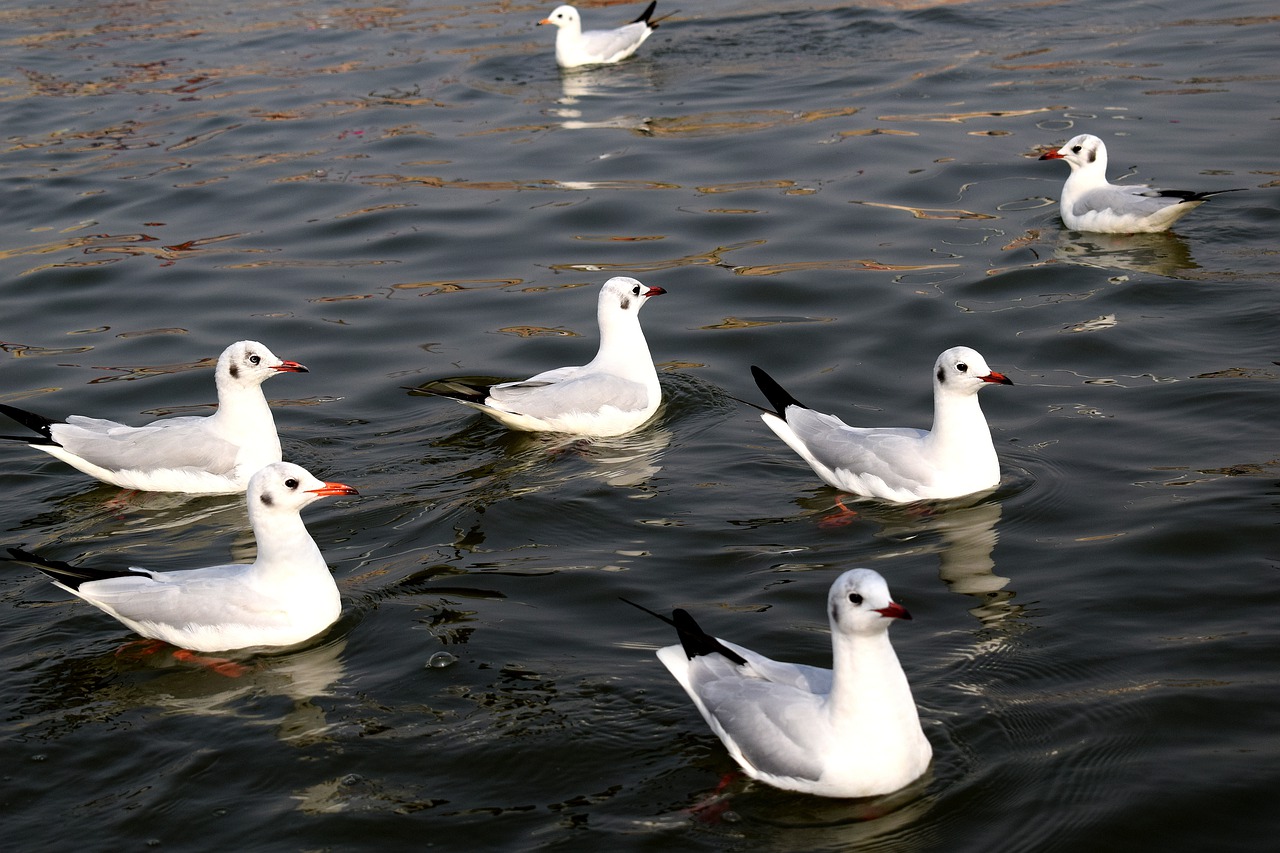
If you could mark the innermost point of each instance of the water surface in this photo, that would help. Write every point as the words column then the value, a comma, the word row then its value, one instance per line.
column 393, row 193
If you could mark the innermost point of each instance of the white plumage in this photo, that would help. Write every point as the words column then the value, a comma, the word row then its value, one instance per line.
column 284, row 597
column 214, row 454
column 574, row 47
column 614, row 393
column 953, row 459
column 1091, row 203
column 849, row 731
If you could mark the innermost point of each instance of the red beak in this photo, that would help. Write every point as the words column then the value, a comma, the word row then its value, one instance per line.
column 289, row 367
column 997, row 378
column 329, row 489
column 1051, row 155
column 654, row 291
column 894, row 611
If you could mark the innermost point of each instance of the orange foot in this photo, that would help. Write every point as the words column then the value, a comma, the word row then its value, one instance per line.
column 712, row 808
column 841, row 518
column 140, row 648
column 222, row 666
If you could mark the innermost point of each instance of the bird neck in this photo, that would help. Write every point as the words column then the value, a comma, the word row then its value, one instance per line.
column 1088, row 176
column 623, row 348
column 241, row 409
column 868, row 685
column 959, row 427
column 287, row 548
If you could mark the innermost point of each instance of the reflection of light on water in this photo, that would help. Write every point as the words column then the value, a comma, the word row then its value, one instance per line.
column 1161, row 254
column 967, row 537
column 621, row 461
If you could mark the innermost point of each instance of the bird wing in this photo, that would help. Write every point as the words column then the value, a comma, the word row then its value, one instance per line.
column 608, row 45
column 809, row 678
column 891, row 454
column 1125, row 201
column 172, row 443
column 777, row 728
column 549, row 395
column 212, row 598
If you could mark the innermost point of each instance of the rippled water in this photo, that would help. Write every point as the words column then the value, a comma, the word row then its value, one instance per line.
column 398, row 192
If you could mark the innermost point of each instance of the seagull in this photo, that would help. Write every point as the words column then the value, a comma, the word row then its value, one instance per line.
column 207, row 455
column 953, row 459
column 1090, row 203
column 597, row 47
column 850, row 731
column 282, row 598
column 613, row 394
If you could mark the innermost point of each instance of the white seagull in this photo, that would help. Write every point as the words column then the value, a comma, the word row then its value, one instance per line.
column 282, row 598
column 209, row 455
column 849, row 731
column 613, row 394
column 955, row 458
column 1090, row 203
column 597, row 47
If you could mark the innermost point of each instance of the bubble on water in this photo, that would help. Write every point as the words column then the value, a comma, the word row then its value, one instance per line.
column 440, row 660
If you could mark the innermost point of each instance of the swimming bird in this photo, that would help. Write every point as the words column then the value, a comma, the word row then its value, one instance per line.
column 849, row 731
column 1090, row 203
column 955, row 458
column 597, row 47
column 613, row 394
column 282, row 598
column 211, row 455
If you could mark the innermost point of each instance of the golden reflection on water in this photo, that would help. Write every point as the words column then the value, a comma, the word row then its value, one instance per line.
column 855, row 264
column 930, row 212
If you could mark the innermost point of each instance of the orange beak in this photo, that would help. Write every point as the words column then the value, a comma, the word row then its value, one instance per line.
column 1051, row 155
column 997, row 378
column 894, row 611
column 329, row 489
column 289, row 367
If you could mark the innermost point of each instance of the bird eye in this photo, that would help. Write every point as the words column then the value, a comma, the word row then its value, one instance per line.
column 636, row 290
column 962, row 367
column 1075, row 150
column 255, row 359
column 855, row 598
column 291, row 483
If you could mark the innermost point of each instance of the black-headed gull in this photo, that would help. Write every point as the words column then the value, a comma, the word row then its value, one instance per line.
column 284, row 597
column 1090, row 203
column 616, row 392
column 210, row 455
column 955, row 458
column 849, row 731
column 596, row 47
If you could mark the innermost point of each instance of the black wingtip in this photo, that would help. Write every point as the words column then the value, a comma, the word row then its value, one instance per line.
column 774, row 393
column 653, row 613
column 693, row 639
column 66, row 574
column 32, row 421
column 454, row 389
column 1191, row 195
column 644, row 16
column 696, row 641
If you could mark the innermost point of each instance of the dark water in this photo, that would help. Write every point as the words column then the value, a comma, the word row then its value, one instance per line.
column 395, row 192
